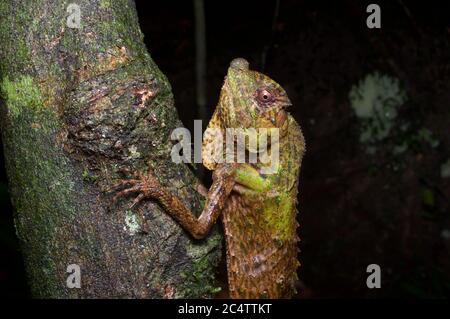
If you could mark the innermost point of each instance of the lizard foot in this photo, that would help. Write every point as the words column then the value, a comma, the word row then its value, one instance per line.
column 143, row 185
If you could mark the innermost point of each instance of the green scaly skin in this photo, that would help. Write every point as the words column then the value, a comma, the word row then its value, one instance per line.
column 258, row 209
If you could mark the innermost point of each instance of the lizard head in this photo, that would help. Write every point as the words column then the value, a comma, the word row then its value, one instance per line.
column 252, row 100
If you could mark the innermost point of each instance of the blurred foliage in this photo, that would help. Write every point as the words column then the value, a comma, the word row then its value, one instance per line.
column 423, row 282
column 445, row 169
column 375, row 100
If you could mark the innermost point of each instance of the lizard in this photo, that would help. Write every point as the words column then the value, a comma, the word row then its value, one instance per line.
column 258, row 210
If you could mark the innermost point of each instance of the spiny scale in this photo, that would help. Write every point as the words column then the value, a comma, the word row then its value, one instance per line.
column 260, row 265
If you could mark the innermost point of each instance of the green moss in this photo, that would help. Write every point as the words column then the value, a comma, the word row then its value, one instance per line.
column 15, row 50
column 200, row 280
column 40, row 181
column 89, row 177
column 19, row 94
column 104, row 4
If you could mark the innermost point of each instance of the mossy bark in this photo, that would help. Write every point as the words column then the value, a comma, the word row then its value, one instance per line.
column 81, row 106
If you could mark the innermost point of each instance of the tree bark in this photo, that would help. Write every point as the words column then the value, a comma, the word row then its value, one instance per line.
column 80, row 106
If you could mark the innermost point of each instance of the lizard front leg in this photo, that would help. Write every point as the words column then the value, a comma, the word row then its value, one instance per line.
column 249, row 181
column 147, row 186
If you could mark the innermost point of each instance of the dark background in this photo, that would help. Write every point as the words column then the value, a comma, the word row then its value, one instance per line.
column 355, row 208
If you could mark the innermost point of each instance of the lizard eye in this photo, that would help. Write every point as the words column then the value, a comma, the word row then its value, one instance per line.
column 263, row 96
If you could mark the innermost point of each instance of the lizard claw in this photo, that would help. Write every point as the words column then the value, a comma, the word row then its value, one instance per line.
column 143, row 185
column 126, row 182
column 137, row 200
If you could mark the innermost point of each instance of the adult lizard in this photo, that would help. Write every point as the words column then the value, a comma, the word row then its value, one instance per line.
column 258, row 209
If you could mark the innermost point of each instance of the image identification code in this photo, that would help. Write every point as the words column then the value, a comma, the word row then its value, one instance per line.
column 232, row 308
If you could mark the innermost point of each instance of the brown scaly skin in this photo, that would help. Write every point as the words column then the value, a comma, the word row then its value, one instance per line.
column 258, row 210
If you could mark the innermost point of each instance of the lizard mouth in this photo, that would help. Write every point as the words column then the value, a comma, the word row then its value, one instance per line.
column 285, row 102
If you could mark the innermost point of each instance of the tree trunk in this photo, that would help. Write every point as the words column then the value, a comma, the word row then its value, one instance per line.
column 79, row 107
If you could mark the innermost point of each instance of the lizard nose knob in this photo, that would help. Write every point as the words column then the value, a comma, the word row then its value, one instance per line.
column 239, row 64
